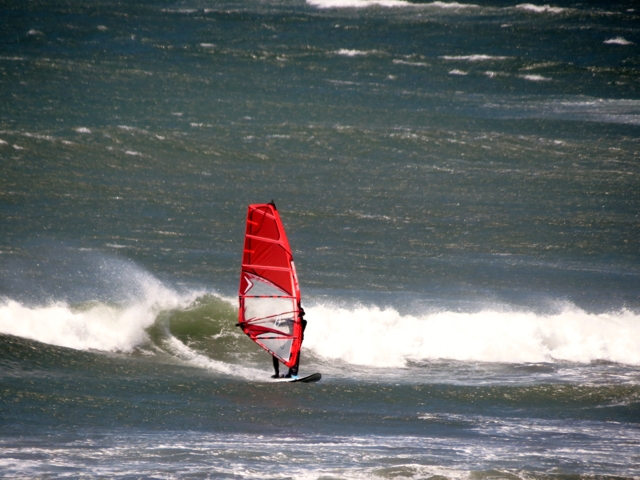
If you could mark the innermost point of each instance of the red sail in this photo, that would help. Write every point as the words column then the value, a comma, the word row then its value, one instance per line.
column 269, row 293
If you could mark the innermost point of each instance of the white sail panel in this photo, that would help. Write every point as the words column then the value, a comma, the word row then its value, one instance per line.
column 264, row 308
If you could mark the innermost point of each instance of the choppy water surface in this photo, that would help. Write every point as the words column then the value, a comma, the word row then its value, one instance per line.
column 459, row 183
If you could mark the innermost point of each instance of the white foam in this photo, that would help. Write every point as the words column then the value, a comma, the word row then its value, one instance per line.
column 83, row 130
column 472, row 58
column 187, row 11
column 457, row 72
column 384, row 338
column 39, row 136
column 606, row 110
column 618, row 41
column 99, row 326
column 116, row 245
column 540, row 8
column 451, row 5
column 412, row 64
column 351, row 53
column 357, row 3
column 386, row 3
column 535, row 78
column 183, row 352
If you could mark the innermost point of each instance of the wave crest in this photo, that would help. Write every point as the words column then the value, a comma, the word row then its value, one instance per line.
column 93, row 325
column 385, row 338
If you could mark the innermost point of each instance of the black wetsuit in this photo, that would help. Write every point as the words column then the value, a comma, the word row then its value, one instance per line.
column 293, row 370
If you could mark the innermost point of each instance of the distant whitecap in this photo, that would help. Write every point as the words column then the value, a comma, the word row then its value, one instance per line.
column 473, row 58
column 350, row 53
column 412, row 64
column 535, row 78
column 186, row 11
column 457, row 72
column 385, row 3
column 618, row 41
column 357, row 3
column 539, row 8
column 451, row 5
column 83, row 130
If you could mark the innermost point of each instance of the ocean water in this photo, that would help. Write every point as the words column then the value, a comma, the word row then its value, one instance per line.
column 460, row 183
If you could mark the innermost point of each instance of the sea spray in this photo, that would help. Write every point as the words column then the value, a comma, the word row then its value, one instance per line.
column 106, row 326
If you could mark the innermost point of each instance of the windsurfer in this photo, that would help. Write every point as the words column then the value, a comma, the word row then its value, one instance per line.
column 293, row 370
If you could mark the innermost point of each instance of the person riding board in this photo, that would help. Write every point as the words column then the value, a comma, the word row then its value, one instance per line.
column 293, row 370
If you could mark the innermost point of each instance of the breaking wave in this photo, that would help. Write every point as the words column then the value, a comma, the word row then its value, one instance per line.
column 196, row 327
column 200, row 330
column 92, row 325
column 385, row 338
